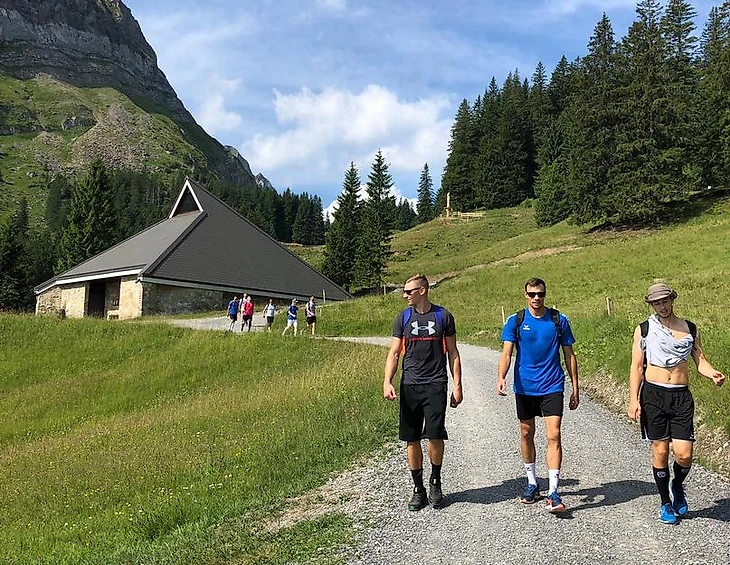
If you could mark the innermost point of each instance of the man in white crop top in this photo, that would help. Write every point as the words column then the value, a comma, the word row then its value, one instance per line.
column 659, row 395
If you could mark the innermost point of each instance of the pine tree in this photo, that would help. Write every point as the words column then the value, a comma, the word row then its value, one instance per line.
column 425, row 196
column 343, row 235
column 592, row 120
column 92, row 220
column 715, row 96
column 458, row 172
column 12, row 275
column 375, row 228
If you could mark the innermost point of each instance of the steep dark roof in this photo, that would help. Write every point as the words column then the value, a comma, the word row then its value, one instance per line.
column 205, row 242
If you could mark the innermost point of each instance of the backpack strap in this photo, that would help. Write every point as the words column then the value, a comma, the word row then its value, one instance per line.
column 554, row 314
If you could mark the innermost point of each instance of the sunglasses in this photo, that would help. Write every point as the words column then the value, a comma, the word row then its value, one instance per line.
column 410, row 291
column 540, row 294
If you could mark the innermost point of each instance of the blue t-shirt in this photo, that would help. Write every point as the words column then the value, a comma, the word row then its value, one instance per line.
column 291, row 313
column 232, row 308
column 538, row 370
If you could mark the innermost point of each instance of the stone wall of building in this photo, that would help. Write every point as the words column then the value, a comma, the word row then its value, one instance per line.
column 49, row 303
column 130, row 298
column 163, row 299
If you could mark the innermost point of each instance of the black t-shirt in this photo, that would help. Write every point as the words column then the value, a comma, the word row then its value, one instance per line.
column 424, row 360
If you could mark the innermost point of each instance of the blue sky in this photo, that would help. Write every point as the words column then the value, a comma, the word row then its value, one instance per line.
column 303, row 87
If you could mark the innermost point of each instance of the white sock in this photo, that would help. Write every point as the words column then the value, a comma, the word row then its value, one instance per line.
column 530, row 470
column 554, row 478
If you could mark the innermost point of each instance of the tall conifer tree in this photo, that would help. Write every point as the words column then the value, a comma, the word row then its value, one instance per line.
column 425, row 204
column 343, row 235
column 92, row 219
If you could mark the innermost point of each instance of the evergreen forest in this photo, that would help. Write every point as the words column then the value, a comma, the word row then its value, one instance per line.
column 621, row 136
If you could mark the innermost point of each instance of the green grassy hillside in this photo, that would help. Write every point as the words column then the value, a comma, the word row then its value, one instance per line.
column 47, row 126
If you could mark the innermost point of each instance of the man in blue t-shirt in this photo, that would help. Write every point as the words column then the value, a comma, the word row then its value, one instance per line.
column 539, row 333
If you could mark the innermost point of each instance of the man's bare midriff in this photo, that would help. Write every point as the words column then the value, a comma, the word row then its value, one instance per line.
column 677, row 375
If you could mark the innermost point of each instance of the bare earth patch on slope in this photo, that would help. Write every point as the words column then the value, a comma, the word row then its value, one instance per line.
column 437, row 279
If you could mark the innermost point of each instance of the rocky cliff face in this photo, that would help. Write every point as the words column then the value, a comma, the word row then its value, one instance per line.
column 84, row 43
column 98, row 43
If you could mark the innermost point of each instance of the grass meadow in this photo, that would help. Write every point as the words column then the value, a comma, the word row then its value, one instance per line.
column 145, row 443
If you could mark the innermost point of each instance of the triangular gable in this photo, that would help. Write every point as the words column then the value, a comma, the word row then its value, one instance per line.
column 187, row 201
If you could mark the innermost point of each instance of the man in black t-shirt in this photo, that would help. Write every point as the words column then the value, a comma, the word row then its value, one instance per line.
column 425, row 335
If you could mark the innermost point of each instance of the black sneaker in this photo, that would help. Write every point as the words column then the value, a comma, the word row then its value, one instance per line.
column 418, row 500
column 435, row 495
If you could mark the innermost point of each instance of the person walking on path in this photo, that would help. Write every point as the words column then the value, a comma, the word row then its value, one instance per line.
column 310, row 312
column 539, row 333
column 660, row 397
column 233, row 307
column 291, row 317
column 269, row 313
column 425, row 335
column 247, row 311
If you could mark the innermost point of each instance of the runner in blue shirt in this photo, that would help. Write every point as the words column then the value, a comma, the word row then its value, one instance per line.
column 291, row 317
column 539, row 333
column 233, row 306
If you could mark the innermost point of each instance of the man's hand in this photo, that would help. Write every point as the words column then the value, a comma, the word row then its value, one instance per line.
column 388, row 391
column 457, row 395
column 718, row 378
column 574, row 400
column 501, row 386
column 634, row 410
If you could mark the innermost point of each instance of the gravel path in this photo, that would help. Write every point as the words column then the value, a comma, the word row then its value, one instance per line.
column 607, row 486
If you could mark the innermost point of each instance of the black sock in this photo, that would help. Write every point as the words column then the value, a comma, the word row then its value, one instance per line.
column 417, row 475
column 435, row 473
column 661, row 477
column 680, row 473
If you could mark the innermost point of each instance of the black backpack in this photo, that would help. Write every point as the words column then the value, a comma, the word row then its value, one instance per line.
column 645, row 332
column 554, row 314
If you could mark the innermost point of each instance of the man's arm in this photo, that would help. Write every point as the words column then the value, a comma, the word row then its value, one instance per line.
column 457, row 395
column 571, row 364
column 391, row 366
column 636, row 376
column 703, row 365
column 505, row 361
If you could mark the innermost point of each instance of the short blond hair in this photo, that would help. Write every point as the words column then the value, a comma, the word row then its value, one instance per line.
column 420, row 278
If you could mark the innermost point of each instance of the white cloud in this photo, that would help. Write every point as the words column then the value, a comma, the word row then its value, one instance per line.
column 338, row 5
column 213, row 115
column 329, row 211
column 327, row 129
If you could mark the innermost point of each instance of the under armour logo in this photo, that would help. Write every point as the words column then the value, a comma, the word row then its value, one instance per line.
column 430, row 328
column 661, row 474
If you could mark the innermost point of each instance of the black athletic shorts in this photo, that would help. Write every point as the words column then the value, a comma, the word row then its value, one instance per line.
column 269, row 321
column 666, row 413
column 311, row 320
column 246, row 318
column 530, row 407
column 233, row 316
column 423, row 412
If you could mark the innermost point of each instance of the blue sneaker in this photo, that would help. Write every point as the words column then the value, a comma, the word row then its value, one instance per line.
column 666, row 514
column 531, row 494
column 679, row 501
column 553, row 503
